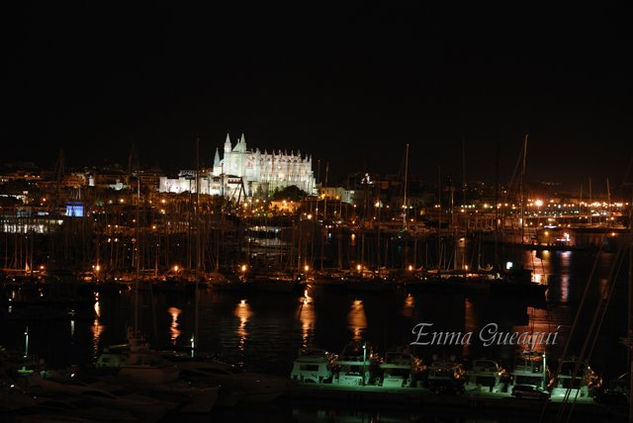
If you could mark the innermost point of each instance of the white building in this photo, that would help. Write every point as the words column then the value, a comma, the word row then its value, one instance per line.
column 255, row 171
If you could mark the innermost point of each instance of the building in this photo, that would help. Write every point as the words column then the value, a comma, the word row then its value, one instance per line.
column 337, row 193
column 245, row 172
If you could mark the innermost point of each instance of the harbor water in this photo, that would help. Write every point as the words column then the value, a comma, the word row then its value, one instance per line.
column 264, row 332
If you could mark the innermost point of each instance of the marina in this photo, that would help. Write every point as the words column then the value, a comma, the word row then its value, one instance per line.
column 367, row 213
column 437, row 377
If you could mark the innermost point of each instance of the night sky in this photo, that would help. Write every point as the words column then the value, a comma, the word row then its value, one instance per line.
column 350, row 84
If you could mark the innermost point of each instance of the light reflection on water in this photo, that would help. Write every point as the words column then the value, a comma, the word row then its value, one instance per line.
column 357, row 320
column 265, row 331
column 409, row 306
column 470, row 322
column 97, row 328
column 307, row 317
column 243, row 313
column 564, row 288
column 174, row 333
column 539, row 322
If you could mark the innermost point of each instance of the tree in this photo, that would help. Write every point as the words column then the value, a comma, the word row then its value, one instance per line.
column 291, row 193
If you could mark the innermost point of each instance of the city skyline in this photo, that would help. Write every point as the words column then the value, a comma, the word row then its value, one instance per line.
column 351, row 86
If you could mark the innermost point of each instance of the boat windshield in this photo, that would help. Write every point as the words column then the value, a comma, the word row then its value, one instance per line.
column 397, row 372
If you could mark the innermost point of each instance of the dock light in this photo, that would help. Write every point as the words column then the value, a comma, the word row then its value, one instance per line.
column 509, row 265
column 41, row 267
column 243, row 268
column 538, row 203
column 309, row 217
column 176, row 268
column 97, row 267
column 410, row 268
column 358, row 267
column 466, row 267
column 306, row 267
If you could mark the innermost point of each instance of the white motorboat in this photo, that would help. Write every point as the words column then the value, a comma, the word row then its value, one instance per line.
column 312, row 366
column 565, row 384
column 399, row 369
column 137, row 363
column 486, row 376
column 354, row 365
column 531, row 371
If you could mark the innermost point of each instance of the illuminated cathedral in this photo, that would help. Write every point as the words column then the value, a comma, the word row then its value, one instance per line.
column 253, row 172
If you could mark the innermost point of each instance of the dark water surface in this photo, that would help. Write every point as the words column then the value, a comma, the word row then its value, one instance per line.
column 265, row 332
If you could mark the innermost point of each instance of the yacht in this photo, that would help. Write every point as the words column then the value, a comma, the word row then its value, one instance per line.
column 135, row 362
column 244, row 387
column 445, row 375
column 581, row 386
column 399, row 370
column 354, row 365
column 312, row 366
column 486, row 376
column 532, row 371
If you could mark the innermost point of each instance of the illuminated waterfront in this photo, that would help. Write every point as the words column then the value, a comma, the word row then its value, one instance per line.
column 264, row 332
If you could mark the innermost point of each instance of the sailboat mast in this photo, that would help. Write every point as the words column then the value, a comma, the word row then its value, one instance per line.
column 138, row 250
column 197, row 227
column 196, row 209
column 630, row 327
column 608, row 203
column 406, row 175
column 522, row 189
column 464, row 185
column 496, row 226
column 590, row 202
column 439, row 218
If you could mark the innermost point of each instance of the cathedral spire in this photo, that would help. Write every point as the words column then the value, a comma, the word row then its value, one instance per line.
column 216, row 159
column 227, row 144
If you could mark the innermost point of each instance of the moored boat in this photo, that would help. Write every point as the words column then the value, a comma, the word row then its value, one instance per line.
column 445, row 375
column 486, row 376
column 354, row 365
column 135, row 362
column 313, row 366
column 582, row 385
column 243, row 387
column 400, row 370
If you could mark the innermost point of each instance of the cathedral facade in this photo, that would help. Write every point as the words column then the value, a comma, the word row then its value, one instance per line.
column 252, row 171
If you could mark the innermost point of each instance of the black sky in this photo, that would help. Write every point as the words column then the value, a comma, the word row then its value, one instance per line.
column 351, row 84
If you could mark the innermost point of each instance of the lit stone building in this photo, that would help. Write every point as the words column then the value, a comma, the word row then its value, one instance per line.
column 255, row 172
